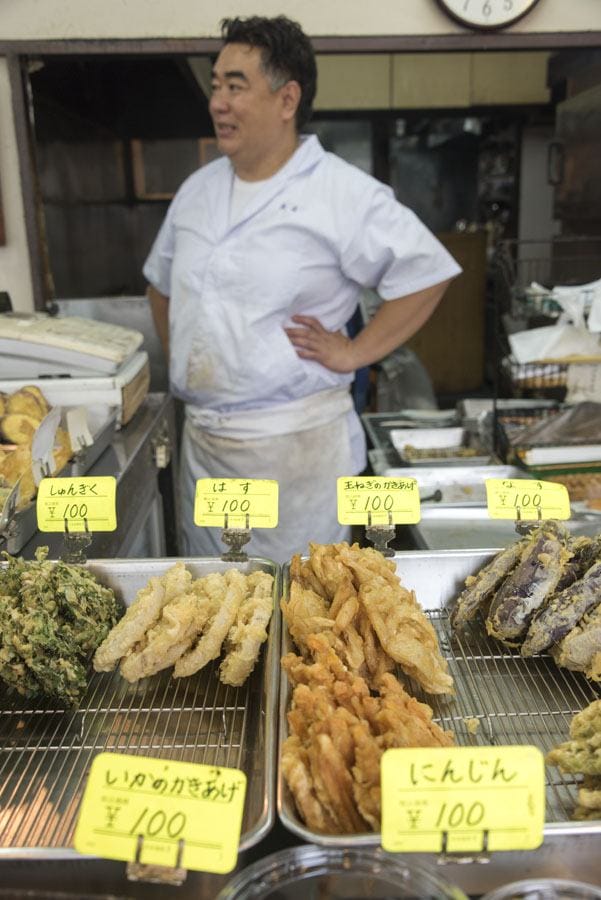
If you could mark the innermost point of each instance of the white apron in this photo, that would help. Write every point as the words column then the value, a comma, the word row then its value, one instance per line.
column 305, row 445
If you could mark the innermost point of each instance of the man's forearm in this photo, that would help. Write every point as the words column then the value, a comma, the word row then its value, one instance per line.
column 394, row 323
column 159, row 306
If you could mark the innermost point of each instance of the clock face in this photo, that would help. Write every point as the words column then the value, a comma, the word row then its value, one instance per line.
column 487, row 13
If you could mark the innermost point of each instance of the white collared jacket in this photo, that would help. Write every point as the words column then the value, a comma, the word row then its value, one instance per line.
column 314, row 235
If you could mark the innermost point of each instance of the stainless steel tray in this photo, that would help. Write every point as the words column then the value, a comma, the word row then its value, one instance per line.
column 46, row 752
column 516, row 701
column 378, row 427
column 471, row 528
column 458, row 485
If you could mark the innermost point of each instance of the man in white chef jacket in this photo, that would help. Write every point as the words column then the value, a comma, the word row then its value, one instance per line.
column 256, row 270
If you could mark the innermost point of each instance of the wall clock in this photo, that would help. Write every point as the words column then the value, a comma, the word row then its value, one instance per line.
column 487, row 13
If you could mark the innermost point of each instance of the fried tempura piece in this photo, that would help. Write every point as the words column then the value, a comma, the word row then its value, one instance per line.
column 531, row 582
column 296, row 770
column 344, row 637
column 589, row 794
column 249, row 631
column 403, row 628
column 209, row 645
column 580, row 649
column 306, row 612
column 587, row 723
column 582, row 754
column 344, row 730
column 327, row 667
column 141, row 615
column 302, row 572
column 366, row 775
column 371, row 560
column 376, row 660
column 481, row 587
column 328, row 569
column 180, row 622
column 333, row 784
column 405, row 722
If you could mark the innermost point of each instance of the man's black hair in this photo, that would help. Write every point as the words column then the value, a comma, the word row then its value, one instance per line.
column 286, row 54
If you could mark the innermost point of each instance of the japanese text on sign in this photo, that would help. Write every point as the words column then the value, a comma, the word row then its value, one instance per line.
column 77, row 504
column 182, row 812
column 236, row 503
column 365, row 500
column 524, row 498
column 462, row 799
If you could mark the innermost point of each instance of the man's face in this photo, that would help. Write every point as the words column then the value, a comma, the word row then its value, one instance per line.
column 250, row 118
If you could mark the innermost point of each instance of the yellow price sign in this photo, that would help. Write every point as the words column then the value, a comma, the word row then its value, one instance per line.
column 462, row 799
column 161, row 812
column 77, row 504
column 525, row 498
column 373, row 500
column 236, row 503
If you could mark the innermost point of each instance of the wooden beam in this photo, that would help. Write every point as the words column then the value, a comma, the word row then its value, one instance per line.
column 466, row 40
column 26, row 154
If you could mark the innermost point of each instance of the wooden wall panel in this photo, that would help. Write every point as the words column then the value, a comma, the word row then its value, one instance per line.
column 451, row 343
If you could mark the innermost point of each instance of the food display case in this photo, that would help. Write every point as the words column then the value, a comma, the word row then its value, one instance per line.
column 513, row 700
column 142, row 456
column 45, row 751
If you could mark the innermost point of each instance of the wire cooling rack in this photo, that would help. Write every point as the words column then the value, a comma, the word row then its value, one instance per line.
column 46, row 751
column 515, row 701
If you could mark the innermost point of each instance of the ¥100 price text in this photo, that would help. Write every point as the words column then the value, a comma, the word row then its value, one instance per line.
column 457, row 814
column 525, row 501
column 158, row 824
column 229, row 505
column 75, row 511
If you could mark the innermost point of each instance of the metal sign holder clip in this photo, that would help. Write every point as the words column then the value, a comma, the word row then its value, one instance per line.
column 75, row 544
column 524, row 526
column 152, row 874
column 481, row 856
column 235, row 538
column 381, row 535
